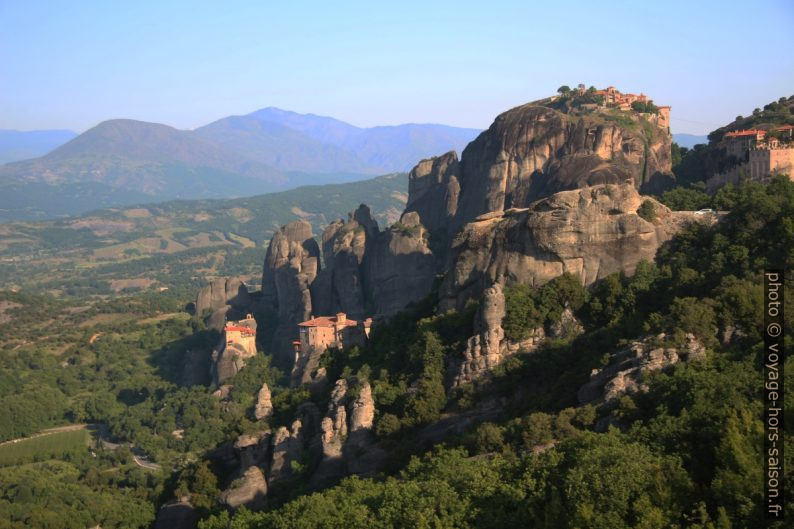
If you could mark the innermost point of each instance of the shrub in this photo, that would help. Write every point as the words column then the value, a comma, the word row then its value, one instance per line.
column 647, row 211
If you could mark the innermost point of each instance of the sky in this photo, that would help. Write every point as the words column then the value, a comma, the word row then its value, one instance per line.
column 72, row 64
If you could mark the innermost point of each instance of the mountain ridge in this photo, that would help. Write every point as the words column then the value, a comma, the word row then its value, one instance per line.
column 123, row 161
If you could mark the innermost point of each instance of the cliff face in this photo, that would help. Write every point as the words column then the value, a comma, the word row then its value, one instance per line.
column 330, row 446
column 367, row 272
column 343, row 284
column 489, row 346
column 531, row 152
column 590, row 232
column 402, row 267
column 541, row 192
column 223, row 298
column 291, row 265
column 434, row 190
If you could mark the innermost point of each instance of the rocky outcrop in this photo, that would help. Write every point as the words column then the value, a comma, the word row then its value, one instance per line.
column 263, row 408
column 627, row 368
column 343, row 284
column 362, row 413
column 292, row 262
column 532, row 151
column 567, row 327
column 590, row 232
column 433, row 192
column 402, row 268
column 367, row 273
column 249, row 490
column 289, row 444
column 177, row 515
column 488, row 347
column 236, row 345
column 223, row 298
column 333, row 434
column 253, row 449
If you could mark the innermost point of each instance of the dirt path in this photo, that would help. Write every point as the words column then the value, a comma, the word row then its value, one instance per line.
column 49, row 431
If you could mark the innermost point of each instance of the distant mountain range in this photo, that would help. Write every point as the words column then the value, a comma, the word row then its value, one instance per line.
column 121, row 162
column 21, row 145
column 689, row 140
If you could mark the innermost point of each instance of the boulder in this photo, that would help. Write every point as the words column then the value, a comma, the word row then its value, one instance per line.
column 249, row 491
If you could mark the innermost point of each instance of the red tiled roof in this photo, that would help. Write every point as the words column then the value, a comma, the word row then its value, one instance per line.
column 739, row 133
column 326, row 321
column 239, row 328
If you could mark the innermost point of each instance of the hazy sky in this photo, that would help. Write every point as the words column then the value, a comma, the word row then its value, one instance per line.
column 71, row 64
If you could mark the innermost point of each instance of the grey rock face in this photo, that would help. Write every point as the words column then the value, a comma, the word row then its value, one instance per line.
column 625, row 373
column 250, row 490
column 362, row 413
column 253, row 449
column 291, row 265
column 289, row 445
column 343, row 284
column 488, row 347
column 590, row 232
column 402, row 268
column 222, row 298
column 568, row 327
column 264, row 405
column 531, row 152
column 434, row 190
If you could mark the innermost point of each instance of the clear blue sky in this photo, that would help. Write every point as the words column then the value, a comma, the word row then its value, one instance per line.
column 71, row 64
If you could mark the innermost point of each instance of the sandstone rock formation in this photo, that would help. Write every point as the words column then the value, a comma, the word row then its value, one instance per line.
column 488, row 347
column 253, row 449
column 367, row 273
column 288, row 445
column 223, row 298
column 625, row 373
column 433, row 191
column 402, row 268
column 333, row 430
column 237, row 344
column 250, row 490
column 531, row 151
column 339, row 443
column 343, row 284
column 291, row 264
column 177, row 515
column 263, row 408
column 567, row 327
column 589, row 232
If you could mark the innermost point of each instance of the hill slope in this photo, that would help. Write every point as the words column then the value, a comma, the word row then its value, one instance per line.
column 386, row 148
column 164, row 242
column 124, row 162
